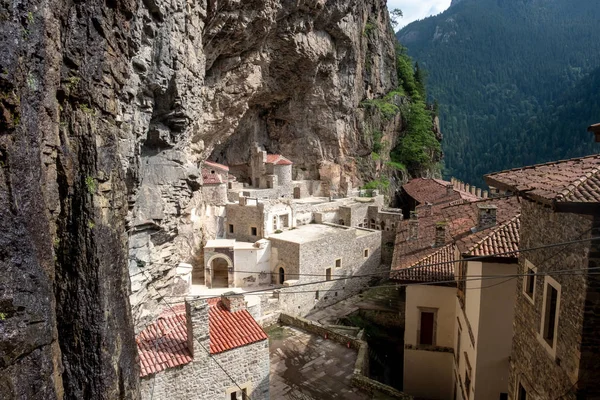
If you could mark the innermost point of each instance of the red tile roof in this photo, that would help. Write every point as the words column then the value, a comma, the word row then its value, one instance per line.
column 461, row 227
column 424, row 271
column 570, row 181
column 163, row 344
column 278, row 159
column 229, row 330
column 216, row 165
column 497, row 239
column 434, row 191
column 211, row 179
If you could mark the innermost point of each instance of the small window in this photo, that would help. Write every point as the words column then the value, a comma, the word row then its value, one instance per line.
column 338, row 263
column 529, row 281
column 550, row 315
column 467, row 376
column 328, row 274
column 239, row 394
column 317, row 295
column 230, row 228
column 521, row 392
column 366, row 253
column 253, row 231
column 458, row 343
column 275, row 222
column 427, row 327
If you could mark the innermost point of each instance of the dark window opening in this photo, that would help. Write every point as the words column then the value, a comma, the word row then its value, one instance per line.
column 529, row 283
column 253, row 231
column 338, row 263
column 426, row 330
column 503, row 396
column 230, row 228
column 328, row 274
column 317, row 295
column 281, row 276
column 467, row 376
column 551, row 313
column 521, row 393
column 366, row 253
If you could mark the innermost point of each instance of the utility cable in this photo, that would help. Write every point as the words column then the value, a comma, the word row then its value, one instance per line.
column 441, row 263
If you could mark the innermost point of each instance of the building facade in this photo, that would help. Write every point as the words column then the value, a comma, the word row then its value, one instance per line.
column 184, row 353
column 556, row 346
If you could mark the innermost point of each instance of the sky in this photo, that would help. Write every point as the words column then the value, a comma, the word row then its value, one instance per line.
column 417, row 9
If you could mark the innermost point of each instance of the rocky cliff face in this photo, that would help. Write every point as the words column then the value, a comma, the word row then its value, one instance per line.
column 209, row 80
column 107, row 108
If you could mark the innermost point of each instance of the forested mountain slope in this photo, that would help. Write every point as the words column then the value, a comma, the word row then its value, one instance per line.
column 512, row 79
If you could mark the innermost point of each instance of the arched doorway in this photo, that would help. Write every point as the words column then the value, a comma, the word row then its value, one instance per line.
column 220, row 273
column 281, row 275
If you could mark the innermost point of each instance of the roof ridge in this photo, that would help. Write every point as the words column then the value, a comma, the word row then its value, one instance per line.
column 481, row 200
column 493, row 232
column 571, row 187
column 542, row 164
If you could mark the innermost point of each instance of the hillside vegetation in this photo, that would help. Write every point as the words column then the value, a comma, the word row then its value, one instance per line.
column 516, row 80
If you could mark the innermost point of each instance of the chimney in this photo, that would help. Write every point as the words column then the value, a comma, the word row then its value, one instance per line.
column 473, row 190
column 595, row 129
column 440, row 234
column 233, row 301
column 485, row 194
column 243, row 200
column 413, row 226
column 479, row 192
column 449, row 189
column 467, row 188
column 487, row 215
column 196, row 312
column 425, row 210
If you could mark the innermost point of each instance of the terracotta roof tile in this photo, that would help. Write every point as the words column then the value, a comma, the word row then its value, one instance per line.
column 460, row 221
column 422, row 271
column 211, row 179
column 163, row 344
column 216, row 165
column 574, row 180
column 434, row 191
column 229, row 330
column 498, row 239
column 278, row 159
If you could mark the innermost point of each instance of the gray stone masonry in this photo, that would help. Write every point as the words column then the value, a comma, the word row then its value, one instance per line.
column 487, row 215
column 348, row 245
column 233, row 301
column 203, row 379
column 542, row 374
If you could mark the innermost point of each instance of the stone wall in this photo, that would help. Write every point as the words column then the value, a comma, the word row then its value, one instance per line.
column 284, row 174
column 244, row 218
column 215, row 194
column 542, row 374
column 315, row 257
column 203, row 379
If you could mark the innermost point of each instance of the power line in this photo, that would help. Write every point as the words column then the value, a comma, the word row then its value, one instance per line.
column 475, row 258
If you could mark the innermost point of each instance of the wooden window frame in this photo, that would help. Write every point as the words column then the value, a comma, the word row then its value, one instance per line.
column 340, row 263
column 328, row 273
column 526, row 277
column 550, row 348
column 435, row 315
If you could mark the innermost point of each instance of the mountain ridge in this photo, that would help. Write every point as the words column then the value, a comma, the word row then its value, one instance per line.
column 497, row 67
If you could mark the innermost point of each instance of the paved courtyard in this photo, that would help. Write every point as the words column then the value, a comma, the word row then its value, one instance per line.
column 307, row 367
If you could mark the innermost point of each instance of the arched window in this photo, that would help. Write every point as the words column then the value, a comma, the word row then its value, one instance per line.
column 281, row 276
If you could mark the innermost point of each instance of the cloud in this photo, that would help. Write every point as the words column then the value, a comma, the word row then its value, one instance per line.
column 417, row 9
